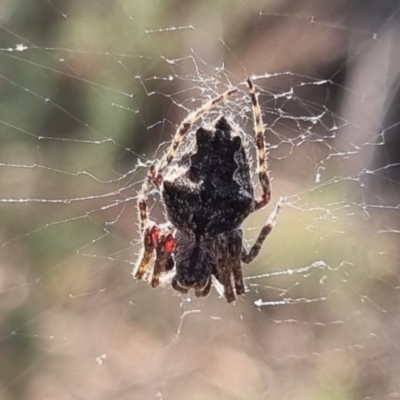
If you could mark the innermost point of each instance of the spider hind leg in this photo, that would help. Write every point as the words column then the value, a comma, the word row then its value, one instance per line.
column 148, row 247
column 164, row 261
column 155, row 171
column 149, row 233
column 154, row 237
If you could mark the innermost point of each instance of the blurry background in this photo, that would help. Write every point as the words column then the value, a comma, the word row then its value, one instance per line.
column 90, row 91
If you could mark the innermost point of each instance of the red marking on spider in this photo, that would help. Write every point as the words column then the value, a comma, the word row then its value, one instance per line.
column 155, row 235
column 169, row 245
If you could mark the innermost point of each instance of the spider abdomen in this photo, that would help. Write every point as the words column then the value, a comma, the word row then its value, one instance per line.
column 210, row 192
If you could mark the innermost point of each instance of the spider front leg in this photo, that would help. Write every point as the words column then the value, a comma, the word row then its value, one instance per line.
column 223, row 268
column 261, row 152
column 248, row 256
column 235, row 255
column 228, row 249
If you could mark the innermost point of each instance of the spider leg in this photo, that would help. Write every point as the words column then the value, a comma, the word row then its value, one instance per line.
column 248, row 256
column 260, row 142
column 155, row 172
column 155, row 237
column 150, row 235
column 224, row 268
column 164, row 260
column 142, row 206
column 148, row 231
column 235, row 255
column 178, row 287
column 203, row 292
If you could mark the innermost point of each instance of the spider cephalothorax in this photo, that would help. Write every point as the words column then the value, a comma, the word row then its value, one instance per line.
column 207, row 195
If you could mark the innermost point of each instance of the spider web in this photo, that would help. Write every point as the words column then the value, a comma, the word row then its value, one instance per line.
column 90, row 92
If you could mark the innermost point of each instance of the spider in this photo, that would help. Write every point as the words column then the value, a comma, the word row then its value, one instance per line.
column 207, row 195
